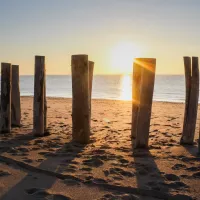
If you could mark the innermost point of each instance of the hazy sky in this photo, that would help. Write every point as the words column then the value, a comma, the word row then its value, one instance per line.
column 111, row 32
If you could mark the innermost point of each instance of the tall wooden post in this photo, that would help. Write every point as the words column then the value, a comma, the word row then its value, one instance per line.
column 45, row 104
column 6, row 87
column 38, row 118
column 15, row 103
column 191, row 101
column 199, row 144
column 143, row 86
column 80, row 99
column 91, row 69
column 136, row 91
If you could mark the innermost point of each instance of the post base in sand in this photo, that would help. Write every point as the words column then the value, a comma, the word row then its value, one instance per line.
column 5, row 132
column 186, row 142
column 16, row 125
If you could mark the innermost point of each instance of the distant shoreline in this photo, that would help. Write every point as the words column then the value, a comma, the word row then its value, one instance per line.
column 96, row 99
column 109, row 87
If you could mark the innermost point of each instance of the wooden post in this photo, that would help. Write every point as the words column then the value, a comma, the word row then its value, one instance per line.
column 199, row 144
column 15, row 96
column 80, row 99
column 136, row 91
column 91, row 69
column 38, row 118
column 6, row 87
column 45, row 104
column 188, row 79
column 191, row 102
column 143, row 86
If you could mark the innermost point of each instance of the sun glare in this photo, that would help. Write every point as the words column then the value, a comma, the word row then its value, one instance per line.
column 122, row 56
column 125, row 84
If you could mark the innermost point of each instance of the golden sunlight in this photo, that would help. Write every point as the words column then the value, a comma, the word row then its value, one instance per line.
column 122, row 56
column 126, row 91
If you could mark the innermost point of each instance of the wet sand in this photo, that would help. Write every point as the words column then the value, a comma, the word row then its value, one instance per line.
column 53, row 167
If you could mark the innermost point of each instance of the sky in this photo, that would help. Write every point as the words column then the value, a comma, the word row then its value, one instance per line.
column 110, row 32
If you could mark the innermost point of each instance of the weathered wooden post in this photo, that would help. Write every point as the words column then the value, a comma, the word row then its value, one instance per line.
column 136, row 90
column 80, row 99
column 143, row 86
column 199, row 144
column 15, row 96
column 45, row 103
column 6, row 87
column 191, row 101
column 91, row 69
column 38, row 110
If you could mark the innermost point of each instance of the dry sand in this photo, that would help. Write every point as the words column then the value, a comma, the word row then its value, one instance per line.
column 53, row 167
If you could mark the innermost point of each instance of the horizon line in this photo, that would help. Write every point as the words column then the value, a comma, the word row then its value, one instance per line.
column 101, row 74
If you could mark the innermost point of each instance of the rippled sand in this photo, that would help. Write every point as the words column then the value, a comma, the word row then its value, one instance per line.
column 53, row 167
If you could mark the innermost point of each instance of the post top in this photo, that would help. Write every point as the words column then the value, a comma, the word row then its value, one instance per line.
column 4, row 63
column 80, row 55
column 39, row 56
column 145, row 59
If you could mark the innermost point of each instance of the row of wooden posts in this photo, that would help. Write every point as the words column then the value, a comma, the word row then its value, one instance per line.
column 82, row 77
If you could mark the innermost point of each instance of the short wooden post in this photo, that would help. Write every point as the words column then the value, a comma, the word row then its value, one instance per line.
column 80, row 99
column 191, row 101
column 38, row 118
column 143, row 86
column 15, row 103
column 6, row 87
column 91, row 69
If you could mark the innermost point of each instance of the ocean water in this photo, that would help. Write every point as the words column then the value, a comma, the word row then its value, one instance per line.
column 169, row 88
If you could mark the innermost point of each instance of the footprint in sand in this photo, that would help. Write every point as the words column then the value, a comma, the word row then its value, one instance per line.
column 24, row 150
column 196, row 175
column 193, row 169
column 44, row 194
column 177, row 185
column 71, row 182
column 178, row 166
column 119, row 171
column 171, row 177
column 4, row 173
column 70, row 168
column 94, row 162
column 99, row 181
column 88, row 169
column 119, row 197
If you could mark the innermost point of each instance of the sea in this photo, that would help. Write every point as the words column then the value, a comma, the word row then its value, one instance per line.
column 168, row 88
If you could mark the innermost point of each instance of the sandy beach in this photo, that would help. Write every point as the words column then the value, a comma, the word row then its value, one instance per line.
column 53, row 167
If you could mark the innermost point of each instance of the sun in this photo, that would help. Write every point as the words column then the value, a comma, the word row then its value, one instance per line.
column 122, row 56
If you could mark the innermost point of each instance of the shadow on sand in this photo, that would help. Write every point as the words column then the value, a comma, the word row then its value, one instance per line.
column 41, row 182
column 148, row 174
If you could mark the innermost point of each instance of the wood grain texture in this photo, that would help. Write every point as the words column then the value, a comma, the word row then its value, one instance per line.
column 188, row 79
column 136, row 90
column 38, row 111
column 80, row 99
column 192, row 97
column 45, row 102
column 142, row 123
column 6, row 88
column 91, row 69
column 15, row 103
